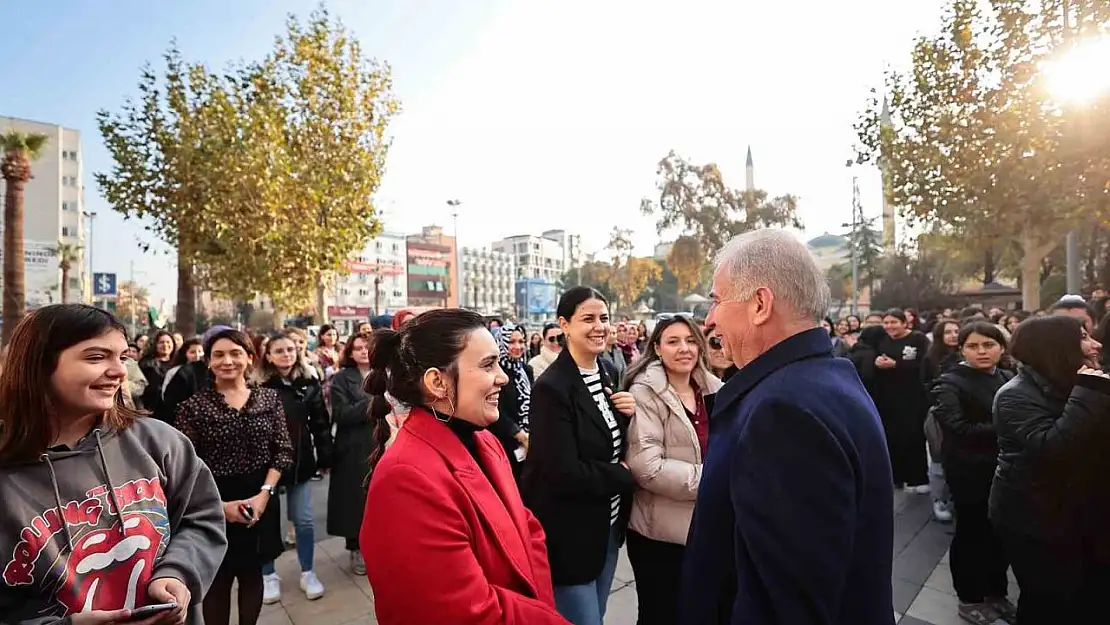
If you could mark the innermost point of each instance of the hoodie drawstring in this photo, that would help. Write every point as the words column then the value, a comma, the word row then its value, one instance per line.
column 58, row 500
column 111, row 483
column 45, row 458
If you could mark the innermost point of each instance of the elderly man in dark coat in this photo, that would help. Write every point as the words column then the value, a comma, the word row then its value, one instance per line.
column 793, row 522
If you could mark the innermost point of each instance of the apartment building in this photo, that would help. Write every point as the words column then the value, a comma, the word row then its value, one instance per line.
column 546, row 257
column 487, row 281
column 54, row 212
column 376, row 277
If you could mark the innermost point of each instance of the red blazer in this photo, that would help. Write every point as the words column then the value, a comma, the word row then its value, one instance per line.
column 444, row 544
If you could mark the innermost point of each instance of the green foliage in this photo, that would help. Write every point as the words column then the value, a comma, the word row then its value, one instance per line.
column 974, row 141
column 695, row 200
column 866, row 242
column 22, row 145
column 921, row 281
column 263, row 176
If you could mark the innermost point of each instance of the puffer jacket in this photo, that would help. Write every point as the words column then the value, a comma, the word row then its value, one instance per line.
column 1050, row 443
column 962, row 399
column 664, row 455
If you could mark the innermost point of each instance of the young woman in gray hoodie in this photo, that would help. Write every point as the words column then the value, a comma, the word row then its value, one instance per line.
column 105, row 511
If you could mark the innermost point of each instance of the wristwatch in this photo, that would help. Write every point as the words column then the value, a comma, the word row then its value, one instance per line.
column 269, row 488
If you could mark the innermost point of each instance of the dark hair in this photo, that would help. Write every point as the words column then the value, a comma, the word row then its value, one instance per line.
column 916, row 317
column 324, row 329
column 938, row 349
column 832, row 326
column 1051, row 346
column 345, row 360
column 1073, row 304
column 573, row 298
column 238, row 337
column 897, row 313
column 179, row 358
column 971, row 311
column 983, row 328
column 649, row 355
column 27, row 419
column 494, row 320
column 399, row 359
column 547, row 327
column 151, row 352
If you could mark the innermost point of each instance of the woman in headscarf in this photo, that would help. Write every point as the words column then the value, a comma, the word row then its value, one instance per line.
column 515, row 399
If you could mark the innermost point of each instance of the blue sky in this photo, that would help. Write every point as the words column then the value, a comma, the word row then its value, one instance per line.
column 536, row 115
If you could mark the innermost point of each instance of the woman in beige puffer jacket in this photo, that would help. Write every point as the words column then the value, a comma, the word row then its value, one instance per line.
column 667, row 440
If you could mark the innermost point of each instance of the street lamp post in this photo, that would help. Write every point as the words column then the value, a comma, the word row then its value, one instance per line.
column 455, row 278
column 90, row 216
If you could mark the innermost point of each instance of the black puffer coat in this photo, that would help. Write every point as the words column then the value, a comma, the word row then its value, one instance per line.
column 1051, row 448
column 962, row 399
column 309, row 425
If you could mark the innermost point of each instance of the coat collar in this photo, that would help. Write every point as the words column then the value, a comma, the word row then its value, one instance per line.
column 654, row 377
column 566, row 365
column 493, row 490
column 805, row 344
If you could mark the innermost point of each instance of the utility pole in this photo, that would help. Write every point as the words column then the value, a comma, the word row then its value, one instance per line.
column 131, row 297
column 1071, row 246
column 90, row 216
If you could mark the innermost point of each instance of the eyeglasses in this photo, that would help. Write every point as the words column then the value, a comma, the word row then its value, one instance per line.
column 670, row 316
column 715, row 342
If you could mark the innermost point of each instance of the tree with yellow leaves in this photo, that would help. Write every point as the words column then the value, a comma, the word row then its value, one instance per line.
column 687, row 262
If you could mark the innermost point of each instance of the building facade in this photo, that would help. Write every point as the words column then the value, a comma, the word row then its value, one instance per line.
column 487, row 281
column 432, row 268
column 376, row 277
column 545, row 257
column 54, row 212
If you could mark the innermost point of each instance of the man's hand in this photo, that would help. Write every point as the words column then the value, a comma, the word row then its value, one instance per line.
column 100, row 617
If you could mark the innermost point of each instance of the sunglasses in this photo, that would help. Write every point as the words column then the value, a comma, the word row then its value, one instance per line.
column 715, row 342
column 554, row 338
column 669, row 316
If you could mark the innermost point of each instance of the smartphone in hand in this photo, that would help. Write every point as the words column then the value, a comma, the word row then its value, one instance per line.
column 247, row 510
column 147, row 611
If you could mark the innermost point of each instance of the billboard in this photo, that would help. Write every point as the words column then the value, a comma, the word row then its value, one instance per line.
column 536, row 297
column 42, row 277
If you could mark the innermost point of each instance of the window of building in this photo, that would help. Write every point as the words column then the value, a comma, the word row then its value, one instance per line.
column 66, row 232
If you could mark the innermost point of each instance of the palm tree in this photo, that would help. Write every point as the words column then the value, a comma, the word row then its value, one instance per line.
column 67, row 255
column 19, row 150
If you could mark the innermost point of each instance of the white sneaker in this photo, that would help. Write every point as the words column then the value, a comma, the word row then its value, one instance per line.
column 311, row 585
column 919, row 490
column 941, row 511
column 271, row 588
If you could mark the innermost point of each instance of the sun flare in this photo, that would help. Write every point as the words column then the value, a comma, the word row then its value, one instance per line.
column 1080, row 76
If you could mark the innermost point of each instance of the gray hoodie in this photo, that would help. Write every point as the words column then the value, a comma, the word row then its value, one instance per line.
column 136, row 505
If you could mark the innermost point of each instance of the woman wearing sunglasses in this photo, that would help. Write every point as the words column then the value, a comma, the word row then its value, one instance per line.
column 552, row 346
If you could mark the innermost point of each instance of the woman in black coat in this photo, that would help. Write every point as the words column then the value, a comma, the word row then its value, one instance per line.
column 350, row 411
column 302, row 397
column 962, row 398
column 1050, row 500
column 515, row 401
column 575, row 479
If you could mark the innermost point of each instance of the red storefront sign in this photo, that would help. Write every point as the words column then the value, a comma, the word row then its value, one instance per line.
column 377, row 269
column 349, row 312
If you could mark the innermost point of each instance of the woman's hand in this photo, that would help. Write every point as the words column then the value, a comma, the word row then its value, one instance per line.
column 1085, row 370
column 233, row 511
column 259, row 503
column 169, row 590
column 522, row 438
column 623, row 401
column 885, row 362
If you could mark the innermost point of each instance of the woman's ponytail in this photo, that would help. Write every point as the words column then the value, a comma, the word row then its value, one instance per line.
column 384, row 362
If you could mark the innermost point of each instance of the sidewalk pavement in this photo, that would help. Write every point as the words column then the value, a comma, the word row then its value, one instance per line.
column 921, row 580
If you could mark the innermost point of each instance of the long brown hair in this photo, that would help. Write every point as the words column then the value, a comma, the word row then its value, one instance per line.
column 649, row 354
column 28, row 423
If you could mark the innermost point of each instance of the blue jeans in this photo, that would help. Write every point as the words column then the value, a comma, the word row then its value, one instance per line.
column 299, row 512
column 584, row 604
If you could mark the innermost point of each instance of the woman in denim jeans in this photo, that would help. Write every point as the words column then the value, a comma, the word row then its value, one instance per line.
column 302, row 397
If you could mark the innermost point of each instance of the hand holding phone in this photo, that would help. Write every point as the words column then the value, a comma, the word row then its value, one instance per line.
column 247, row 511
column 147, row 611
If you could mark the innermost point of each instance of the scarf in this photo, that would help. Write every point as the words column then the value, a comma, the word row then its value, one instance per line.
column 518, row 377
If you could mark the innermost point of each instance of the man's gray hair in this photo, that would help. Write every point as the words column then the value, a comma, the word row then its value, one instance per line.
column 777, row 260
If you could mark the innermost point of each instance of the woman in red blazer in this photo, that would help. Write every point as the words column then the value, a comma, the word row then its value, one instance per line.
column 445, row 536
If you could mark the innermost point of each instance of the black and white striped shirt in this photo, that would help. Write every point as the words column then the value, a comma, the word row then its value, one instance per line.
column 592, row 378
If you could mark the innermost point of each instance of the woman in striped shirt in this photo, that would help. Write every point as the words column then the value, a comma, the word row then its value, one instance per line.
column 574, row 479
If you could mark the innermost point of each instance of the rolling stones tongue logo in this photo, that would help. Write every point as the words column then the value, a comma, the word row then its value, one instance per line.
column 110, row 569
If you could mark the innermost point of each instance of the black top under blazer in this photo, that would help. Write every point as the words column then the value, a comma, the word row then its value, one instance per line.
column 569, row 477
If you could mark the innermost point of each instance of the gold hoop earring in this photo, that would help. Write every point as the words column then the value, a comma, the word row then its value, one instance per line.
column 439, row 418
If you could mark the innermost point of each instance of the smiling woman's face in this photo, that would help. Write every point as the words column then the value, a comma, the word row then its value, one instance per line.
column 89, row 375
column 588, row 328
column 677, row 348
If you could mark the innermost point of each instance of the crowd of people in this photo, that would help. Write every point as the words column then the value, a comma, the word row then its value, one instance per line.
column 483, row 473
